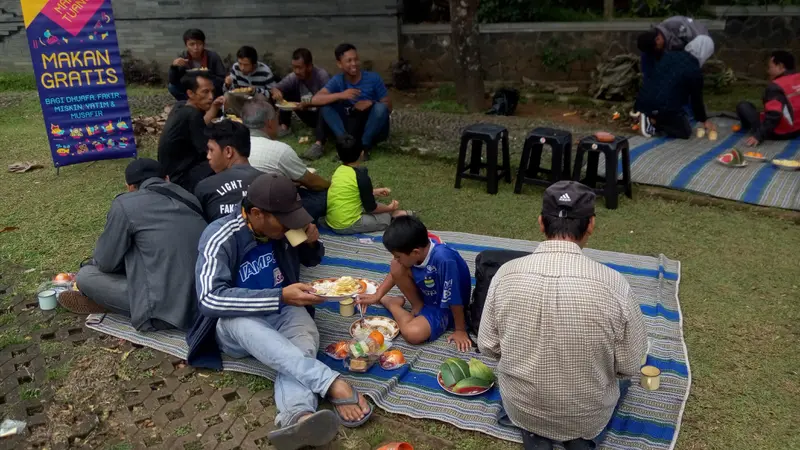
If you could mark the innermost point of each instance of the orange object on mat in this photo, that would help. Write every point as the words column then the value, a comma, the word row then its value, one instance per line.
column 397, row 446
column 736, row 128
column 603, row 136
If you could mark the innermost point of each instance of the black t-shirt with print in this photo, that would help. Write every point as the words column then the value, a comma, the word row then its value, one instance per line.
column 222, row 193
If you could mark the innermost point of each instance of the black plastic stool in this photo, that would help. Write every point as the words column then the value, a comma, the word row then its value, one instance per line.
column 491, row 135
column 611, row 150
column 530, row 166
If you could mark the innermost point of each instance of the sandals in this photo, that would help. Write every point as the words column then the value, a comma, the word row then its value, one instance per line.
column 78, row 303
column 352, row 400
column 317, row 430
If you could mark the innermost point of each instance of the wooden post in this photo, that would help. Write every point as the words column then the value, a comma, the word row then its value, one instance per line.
column 465, row 44
column 608, row 9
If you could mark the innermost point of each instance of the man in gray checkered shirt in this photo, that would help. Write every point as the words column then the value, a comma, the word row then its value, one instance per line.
column 567, row 330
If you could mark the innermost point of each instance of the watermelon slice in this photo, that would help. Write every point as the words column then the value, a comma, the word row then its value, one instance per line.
column 732, row 157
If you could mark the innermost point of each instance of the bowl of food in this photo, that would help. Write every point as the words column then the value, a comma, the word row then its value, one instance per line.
column 786, row 164
column 465, row 379
column 287, row 105
column 339, row 288
column 386, row 326
column 243, row 90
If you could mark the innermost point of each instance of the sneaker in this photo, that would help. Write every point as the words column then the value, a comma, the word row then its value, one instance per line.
column 75, row 302
column 283, row 132
column 315, row 152
column 645, row 126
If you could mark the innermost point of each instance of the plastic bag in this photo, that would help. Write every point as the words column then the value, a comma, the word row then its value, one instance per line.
column 393, row 359
column 12, row 427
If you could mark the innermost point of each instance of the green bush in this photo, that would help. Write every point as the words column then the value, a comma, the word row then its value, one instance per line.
column 17, row 81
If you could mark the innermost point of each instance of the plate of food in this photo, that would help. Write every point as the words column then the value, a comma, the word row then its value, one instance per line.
column 755, row 156
column 287, row 106
column 339, row 288
column 732, row 158
column 243, row 90
column 465, row 379
column 386, row 326
column 786, row 164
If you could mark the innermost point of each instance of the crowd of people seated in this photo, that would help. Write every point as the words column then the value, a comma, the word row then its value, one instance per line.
column 199, row 242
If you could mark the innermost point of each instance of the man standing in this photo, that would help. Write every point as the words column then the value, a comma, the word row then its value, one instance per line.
column 228, row 150
column 271, row 156
column 251, row 304
column 565, row 328
column 143, row 264
column 195, row 56
column 249, row 72
column 357, row 101
column 182, row 146
column 781, row 102
column 300, row 86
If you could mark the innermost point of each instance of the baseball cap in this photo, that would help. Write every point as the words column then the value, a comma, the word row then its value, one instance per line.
column 277, row 195
column 568, row 199
column 143, row 168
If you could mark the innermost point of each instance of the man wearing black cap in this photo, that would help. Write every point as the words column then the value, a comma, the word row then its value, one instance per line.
column 567, row 330
column 144, row 259
column 251, row 304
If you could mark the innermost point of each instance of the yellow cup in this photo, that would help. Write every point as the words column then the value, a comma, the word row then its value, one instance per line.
column 651, row 378
column 701, row 133
column 347, row 307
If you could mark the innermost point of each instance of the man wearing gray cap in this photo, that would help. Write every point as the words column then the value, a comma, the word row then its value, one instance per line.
column 251, row 304
column 143, row 262
column 567, row 330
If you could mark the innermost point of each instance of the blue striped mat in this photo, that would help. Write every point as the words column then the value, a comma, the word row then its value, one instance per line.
column 646, row 420
column 691, row 165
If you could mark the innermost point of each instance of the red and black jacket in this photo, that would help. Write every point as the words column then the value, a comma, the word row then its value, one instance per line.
column 781, row 102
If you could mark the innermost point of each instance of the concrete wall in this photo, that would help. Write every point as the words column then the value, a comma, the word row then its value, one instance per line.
column 536, row 50
column 152, row 29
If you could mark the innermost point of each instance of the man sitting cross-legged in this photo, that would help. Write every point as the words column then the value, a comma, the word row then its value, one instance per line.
column 567, row 330
column 432, row 276
column 271, row 156
column 251, row 304
column 357, row 101
column 228, row 150
column 300, row 86
column 143, row 264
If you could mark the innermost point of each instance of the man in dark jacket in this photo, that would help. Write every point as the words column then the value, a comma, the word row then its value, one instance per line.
column 143, row 262
column 781, row 103
column 183, row 145
column 676, row 80
column 195, row 56
column 251, row 304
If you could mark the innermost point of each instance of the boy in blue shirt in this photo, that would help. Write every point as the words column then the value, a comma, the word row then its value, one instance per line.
column 432, row 276
column 356, row 101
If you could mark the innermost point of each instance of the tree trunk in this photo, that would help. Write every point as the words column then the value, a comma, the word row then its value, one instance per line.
column 608, row 9
column 465, row 46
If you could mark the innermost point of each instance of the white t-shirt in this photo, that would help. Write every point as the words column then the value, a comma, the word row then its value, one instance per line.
column 271, row 156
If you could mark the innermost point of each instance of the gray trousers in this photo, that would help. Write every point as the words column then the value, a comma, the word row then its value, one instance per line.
column 109, row 290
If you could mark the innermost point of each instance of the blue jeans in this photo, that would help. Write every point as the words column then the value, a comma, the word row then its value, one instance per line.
column 286, row 342
column 372, row 125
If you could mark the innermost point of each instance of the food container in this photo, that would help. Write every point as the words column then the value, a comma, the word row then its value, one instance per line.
column 712, row 135
column 701, row 133
column 47, row 300
column 651, row 378
column 361, row 364
column 347, row 307
column 391, row 360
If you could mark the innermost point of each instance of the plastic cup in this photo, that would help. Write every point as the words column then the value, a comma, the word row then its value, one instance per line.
column 347, row 307
column 47, row 300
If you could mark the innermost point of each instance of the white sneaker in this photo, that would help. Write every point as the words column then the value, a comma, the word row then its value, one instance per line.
column 645, row 127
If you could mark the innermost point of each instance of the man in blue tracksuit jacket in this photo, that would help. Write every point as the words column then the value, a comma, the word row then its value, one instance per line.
column 251, row 304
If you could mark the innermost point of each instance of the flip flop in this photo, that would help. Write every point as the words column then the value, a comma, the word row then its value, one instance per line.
column 316, row 431
column 353, row 400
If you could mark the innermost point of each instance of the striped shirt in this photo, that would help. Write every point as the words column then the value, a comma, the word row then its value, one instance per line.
column 564, row 328
column 262, row 79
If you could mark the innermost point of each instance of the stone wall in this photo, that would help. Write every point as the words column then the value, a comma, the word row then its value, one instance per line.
column 152, row 29
column 569, row 52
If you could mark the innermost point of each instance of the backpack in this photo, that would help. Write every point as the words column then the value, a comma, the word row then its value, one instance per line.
column 504, row 102
column 487, row 263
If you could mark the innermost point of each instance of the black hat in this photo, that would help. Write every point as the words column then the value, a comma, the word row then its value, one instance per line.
column 141, row 169
column 568, row 199
column 277, row 195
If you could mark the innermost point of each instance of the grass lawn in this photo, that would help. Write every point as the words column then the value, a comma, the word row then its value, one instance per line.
column 739, row 290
